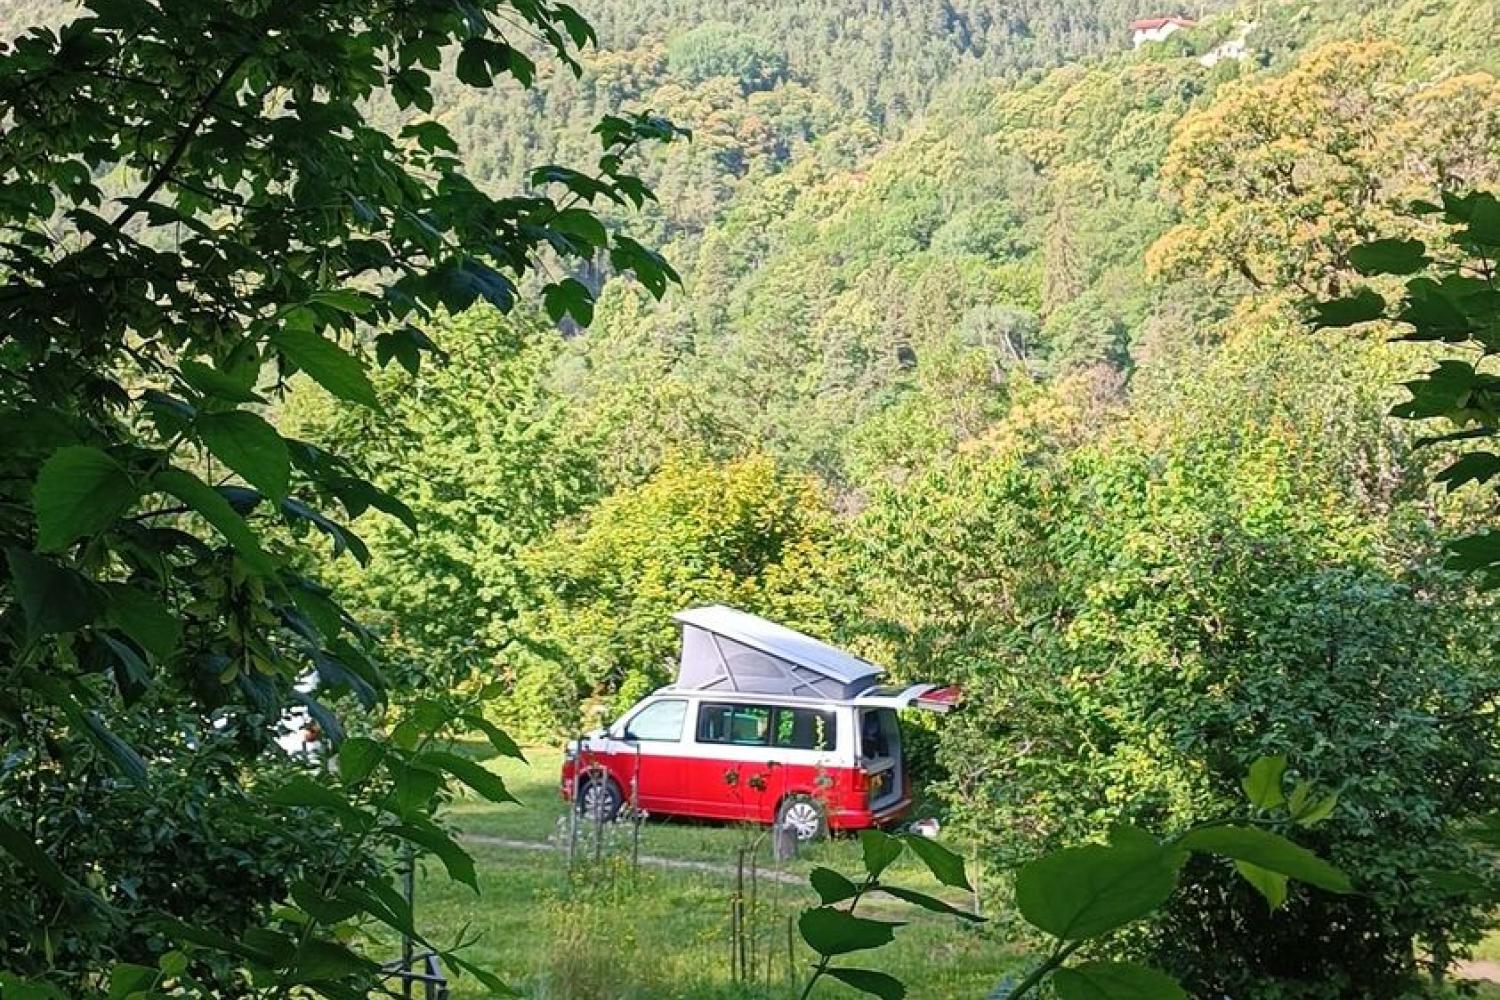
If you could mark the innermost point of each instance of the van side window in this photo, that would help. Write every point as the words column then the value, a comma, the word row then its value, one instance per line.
column 660, row 720
column 803, row 729
column 737, row 725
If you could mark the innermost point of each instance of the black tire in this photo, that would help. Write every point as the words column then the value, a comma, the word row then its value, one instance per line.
column 804, row 817
column 599, row 794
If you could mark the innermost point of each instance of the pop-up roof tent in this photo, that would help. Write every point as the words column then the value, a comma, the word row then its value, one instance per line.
column 729, row 650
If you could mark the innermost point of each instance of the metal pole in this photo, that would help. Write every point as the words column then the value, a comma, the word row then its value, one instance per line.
column 409, row 885
column 791, row 954
column 739, row 906
column 635, row 815
column 573, row 801
column 598, row 833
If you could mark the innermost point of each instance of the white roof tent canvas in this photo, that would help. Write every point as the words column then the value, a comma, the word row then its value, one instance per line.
column 728, row 650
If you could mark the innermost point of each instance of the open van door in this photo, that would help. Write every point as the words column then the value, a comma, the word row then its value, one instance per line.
column 928, row 697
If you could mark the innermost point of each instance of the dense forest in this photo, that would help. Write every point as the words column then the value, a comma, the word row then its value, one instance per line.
column 991, row 359
column 1014, row 391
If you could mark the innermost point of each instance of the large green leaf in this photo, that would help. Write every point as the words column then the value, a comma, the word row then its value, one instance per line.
column 499, row 739
column 455, row 859
column 53, row 598
column 251, row 447
column 1361, row 307
column 119, row 753
column 1475, row 552
column 79, row 492
column 213, row 382
column 878, row 984
column 1271, row 885
column 879, row 850
column 1268, row 850
column 831, row 886
column 1389, row 256
column 380, row 901
column 1307, row 807
column 322, row 959
column 482, row 780
column 569, row 297
column 946, row 866
column 414, row 787
column 1472, row 467
column 23, row 849
column 17, row 988
column 327, row 364
column 1263, row 784
column 126, row 980
column 927, row 902
column 358, row 757
column 325, row 911
column 1114, row 981
column 830, row 931
column 143, row 618
column 210, row 503
column 306, row 793
column 207, row 937
column 1082, row 892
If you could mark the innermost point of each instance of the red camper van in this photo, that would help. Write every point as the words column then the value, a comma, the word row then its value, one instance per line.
column 764, row 724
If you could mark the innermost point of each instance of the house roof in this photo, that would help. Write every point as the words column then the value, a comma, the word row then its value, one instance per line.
column 1151, row 23
column 781, row 642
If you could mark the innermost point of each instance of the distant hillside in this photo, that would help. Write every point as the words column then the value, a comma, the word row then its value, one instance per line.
column 759, row 83
column 855, row 317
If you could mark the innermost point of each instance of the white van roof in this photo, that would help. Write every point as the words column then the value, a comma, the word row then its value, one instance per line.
column 727, row 649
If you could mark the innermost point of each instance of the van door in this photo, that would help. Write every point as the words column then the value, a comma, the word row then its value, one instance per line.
column 880, row 756
column 928, row 697
column 734, row 771
column 653, row 738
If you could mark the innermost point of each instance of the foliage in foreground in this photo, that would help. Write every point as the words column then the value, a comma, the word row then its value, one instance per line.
column 1080, row 896
column 195, row 211
column 1450, row 296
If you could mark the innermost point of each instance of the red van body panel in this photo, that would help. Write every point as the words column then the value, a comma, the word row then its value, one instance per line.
column 738, row 756
column 737, row 791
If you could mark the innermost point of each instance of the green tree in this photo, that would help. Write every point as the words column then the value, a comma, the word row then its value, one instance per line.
column 719, row 49
column 480, row 451
column 1281, row 177
column 605, row 587
column 1242, row 569
column 1450, row 299
column 197, row 212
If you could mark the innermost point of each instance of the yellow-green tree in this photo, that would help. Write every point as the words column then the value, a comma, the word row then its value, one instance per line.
column 745, row 533
column 1280, row 177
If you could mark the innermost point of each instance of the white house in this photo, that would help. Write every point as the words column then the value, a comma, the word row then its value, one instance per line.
column 1233, row 48
column 1156, row 29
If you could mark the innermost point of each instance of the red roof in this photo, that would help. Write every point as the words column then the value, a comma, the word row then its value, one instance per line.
column 1152, row 23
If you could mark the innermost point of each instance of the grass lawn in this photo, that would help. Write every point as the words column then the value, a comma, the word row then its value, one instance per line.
column 608, row 935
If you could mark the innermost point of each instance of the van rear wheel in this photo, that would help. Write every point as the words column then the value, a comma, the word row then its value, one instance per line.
column 599, row 799
column 803, row 817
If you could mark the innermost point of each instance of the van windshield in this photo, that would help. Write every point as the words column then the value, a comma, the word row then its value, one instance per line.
column 660, row 720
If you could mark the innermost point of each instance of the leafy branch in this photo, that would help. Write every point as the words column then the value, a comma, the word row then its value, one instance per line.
column 1080, row 895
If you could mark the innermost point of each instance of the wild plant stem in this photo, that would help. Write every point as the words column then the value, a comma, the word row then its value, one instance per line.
column 1041, row 972
column 823, row 960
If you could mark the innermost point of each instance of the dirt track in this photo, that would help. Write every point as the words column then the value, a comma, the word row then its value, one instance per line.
column 654, row 860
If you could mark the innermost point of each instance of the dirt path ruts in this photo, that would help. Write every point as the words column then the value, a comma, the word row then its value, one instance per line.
column 1479, row 970
column 655, row 861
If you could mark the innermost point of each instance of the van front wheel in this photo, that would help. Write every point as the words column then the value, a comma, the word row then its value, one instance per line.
column 803, row 817
column 599, row 800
